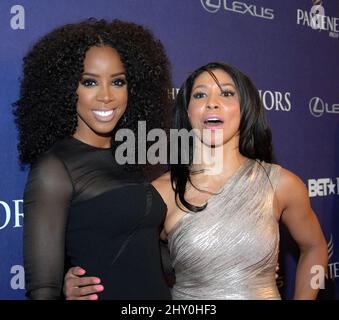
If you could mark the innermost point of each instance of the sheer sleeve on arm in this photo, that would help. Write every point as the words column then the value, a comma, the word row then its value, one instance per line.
column 47, row 199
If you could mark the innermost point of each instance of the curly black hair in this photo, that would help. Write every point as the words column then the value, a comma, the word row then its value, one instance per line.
column 46, row 109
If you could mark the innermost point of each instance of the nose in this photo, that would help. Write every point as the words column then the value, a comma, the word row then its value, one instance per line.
column 212, row 106
column 212, row 102
column 105, row 94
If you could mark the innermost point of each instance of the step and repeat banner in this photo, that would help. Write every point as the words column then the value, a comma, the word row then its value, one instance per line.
column 289, row 48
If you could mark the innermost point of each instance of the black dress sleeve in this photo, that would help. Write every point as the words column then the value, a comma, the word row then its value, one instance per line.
column 47, row 198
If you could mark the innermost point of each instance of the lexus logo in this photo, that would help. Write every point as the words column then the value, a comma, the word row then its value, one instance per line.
column 211, row 6
column 317, row 107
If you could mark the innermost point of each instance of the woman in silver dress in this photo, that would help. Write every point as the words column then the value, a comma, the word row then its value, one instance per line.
column 223, row 216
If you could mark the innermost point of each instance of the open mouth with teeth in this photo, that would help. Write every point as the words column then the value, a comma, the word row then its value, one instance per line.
column 104, row 115
column 213, row 122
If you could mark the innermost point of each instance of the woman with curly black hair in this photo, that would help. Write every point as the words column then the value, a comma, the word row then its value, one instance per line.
column 82, row 83
column 222, row 221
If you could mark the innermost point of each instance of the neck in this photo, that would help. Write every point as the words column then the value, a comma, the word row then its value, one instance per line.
column 95, row 141
column 220, row 160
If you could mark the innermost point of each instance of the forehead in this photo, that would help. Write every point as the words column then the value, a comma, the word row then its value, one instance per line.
column 102, row 57
column 206, row 79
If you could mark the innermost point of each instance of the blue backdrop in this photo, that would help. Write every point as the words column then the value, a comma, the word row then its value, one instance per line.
column 292, row 60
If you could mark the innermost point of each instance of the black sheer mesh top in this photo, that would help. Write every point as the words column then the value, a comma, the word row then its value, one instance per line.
column 83, row 209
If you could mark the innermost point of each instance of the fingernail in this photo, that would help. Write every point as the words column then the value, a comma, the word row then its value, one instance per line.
column 97, row 280
column 93, row 297
column 99, row 287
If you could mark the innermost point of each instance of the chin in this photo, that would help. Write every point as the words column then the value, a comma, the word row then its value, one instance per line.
column 212, row 143
column 104, row 131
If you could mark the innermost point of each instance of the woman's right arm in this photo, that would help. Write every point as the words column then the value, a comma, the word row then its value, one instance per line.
column 47, row 198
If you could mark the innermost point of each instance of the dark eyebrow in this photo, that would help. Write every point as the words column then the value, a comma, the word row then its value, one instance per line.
column 222, row 85
column 97, row 76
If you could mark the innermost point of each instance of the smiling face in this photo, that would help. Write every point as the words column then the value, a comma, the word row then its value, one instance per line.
column 102, row 96
column 214, row 108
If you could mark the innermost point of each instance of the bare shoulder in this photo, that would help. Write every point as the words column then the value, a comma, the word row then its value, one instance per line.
column 289, row 181
column 164, row 187
column 163, row 182
column 290, row 189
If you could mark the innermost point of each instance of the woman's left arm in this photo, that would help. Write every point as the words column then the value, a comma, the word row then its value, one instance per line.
column 304, row 227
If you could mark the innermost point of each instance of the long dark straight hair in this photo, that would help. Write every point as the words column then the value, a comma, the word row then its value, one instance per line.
column 255, row 140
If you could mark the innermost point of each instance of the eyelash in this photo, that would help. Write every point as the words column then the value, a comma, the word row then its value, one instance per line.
column 119, row 82
column 225, row 93
column 228, row 93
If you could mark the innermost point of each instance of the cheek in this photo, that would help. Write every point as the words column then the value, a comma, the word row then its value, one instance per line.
column 124, row 97
column 120, row 98
column 84, row 98
column 194, row 114
column 234, row 114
